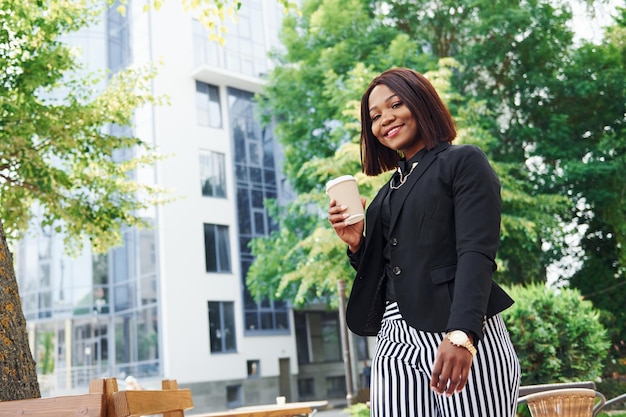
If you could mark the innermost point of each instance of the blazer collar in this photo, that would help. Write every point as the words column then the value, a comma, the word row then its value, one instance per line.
column 411, row 180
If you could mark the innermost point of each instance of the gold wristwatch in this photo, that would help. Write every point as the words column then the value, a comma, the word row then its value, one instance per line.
column 459, row 338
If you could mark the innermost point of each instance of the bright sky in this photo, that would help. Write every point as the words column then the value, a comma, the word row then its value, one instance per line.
column 592, row 28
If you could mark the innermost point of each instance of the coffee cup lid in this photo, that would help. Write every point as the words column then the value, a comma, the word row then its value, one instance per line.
column 337, row 180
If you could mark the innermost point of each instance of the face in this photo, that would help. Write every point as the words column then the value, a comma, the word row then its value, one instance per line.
column 392, row 122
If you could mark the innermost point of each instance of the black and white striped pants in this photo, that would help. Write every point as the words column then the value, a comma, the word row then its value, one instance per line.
column 402, row 366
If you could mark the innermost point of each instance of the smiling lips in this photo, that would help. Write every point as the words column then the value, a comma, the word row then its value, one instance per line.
column 392, row 132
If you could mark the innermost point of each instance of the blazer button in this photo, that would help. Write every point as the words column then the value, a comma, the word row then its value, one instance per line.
column 396, row 270
column 393, row 241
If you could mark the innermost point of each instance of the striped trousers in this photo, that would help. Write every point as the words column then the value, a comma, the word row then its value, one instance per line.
column 402, row 366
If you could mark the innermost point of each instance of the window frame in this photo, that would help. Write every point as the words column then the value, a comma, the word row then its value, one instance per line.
column 212, row 166
column 209, row 105
column 218, row 327
column 220, row 241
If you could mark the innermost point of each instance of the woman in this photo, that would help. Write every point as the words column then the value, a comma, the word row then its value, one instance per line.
column 425, row 263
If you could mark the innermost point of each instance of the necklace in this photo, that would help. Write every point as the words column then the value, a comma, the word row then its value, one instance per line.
column 403, row 177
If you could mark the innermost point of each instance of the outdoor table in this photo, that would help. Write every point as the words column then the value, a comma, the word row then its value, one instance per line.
column 270, row 410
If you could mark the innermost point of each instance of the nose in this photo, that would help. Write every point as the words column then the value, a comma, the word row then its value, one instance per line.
column 387, row 117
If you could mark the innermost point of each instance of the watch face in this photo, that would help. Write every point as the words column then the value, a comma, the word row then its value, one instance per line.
column 458, row 337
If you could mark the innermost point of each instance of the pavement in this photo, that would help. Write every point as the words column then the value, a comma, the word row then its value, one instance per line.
column 336, row 408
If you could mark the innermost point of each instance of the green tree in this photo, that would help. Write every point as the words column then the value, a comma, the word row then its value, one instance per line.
column 19, row 376
column 562, row 107
column 56, row 151
column 589, row 161
column 510, row 53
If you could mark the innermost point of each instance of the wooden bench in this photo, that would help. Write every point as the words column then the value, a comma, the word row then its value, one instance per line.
column 85, row 405
column 105, row 400
column 169, row 401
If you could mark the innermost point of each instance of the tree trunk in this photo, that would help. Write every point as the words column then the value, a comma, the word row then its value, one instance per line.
column 18, row 376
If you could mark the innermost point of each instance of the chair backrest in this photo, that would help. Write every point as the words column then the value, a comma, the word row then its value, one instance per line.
column 84, row 405
column 608, row 403
column 568, row 402
column 169, row 401
column 531, row 389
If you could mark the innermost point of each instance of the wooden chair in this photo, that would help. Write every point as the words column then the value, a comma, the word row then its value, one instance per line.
column 567, row 402
column 169, row 401
column 85, row 405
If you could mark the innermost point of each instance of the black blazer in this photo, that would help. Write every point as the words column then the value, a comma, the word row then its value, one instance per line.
column 444, row 234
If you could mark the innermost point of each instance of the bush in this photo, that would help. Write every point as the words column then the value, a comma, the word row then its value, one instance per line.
column 557, row 335
column 358, row 410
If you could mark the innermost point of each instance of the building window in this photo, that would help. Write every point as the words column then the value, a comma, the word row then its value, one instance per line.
column 335, row 386
column 245, row 50
column 205, row 51
column 208, row 105
column 222, row 327
column 265, row 315
column 306, row 388
column 302, row 337
column 118, row 37
column 213, row 174
column 254, row 368
column 216, row 248
column 255, row 171
column 331, row 337
column 318, row 337
column 233, row 396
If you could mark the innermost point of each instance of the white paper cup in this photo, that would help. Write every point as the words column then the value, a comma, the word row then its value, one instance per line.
column 281, row 400
column 345, row 192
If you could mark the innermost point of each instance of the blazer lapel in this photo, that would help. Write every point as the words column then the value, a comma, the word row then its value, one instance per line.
column 373, row 214
column 412, row 179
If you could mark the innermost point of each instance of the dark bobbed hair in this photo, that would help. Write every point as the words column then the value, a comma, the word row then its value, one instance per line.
column 433, row 119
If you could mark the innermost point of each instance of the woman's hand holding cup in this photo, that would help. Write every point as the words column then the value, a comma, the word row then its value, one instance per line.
column 347, row 210
column 350, row 233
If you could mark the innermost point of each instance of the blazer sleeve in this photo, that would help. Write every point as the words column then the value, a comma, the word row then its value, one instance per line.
column 355, row 257
column 477, row 213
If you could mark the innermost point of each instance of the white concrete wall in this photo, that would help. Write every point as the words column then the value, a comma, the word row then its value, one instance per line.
column 185, row 285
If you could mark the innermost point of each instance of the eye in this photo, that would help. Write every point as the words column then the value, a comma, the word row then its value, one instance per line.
column 375, row 117
column 396, row 104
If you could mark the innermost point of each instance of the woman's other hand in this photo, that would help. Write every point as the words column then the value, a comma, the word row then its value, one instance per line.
column 352, row 234
column 451, row 369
